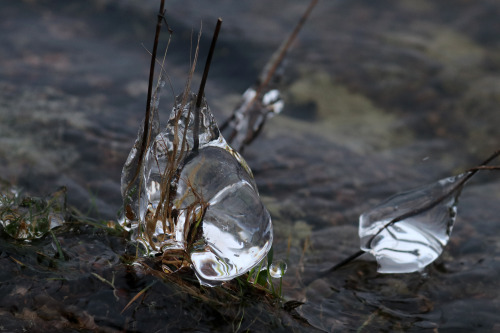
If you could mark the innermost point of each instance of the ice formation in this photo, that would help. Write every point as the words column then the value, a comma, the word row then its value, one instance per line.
column 199, row 208
column 408, row 231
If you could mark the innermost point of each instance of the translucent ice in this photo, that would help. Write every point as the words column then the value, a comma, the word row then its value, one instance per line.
column 130, row 180
column 236, row 228
column 200, row 208
column 277, row 269
column 409, row 230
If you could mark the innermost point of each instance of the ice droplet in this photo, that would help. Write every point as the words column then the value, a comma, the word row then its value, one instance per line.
column 202, row 206
column 277, row 269
column 408, row 231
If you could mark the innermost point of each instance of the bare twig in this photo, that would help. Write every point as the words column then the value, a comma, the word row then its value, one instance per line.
column 345, row 261
column 146, row 136
column 276, row 59
column 196, row 129
column 162, row 64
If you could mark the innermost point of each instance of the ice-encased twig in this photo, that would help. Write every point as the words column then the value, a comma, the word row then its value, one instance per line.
column 201, row 90
column 130, row 181
column 201, row 208
column 192, row 198
column 409, row 230
column 262, row 100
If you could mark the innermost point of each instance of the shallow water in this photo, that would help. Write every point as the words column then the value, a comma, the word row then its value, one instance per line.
column 379, row 98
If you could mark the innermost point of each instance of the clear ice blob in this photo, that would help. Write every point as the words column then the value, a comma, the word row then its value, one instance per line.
column 199, row 208
column 277, row 269
column 408, row 231
column 236, row 228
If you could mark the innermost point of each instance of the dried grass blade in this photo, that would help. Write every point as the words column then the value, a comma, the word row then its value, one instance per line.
column 137, row 296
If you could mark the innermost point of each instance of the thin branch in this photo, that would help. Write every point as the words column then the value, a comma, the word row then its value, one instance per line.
column 196, row 129
column 486, row 167
column 274, row 62
column 146, row 136
column 137, row 296
column 162, row 63
column 278, row 56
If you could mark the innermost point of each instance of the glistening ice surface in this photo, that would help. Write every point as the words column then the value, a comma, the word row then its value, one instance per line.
column 409, row 230
column 236, row 226
column 204, row 204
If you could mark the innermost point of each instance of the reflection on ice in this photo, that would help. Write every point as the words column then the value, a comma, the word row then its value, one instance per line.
column 409, row 230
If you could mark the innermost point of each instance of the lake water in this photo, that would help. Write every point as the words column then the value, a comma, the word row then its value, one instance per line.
column 380, row 97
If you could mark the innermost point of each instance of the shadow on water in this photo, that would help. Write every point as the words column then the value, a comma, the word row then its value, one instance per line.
column 382, row 96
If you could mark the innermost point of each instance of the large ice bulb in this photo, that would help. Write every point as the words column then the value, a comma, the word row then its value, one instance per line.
column 199, row 208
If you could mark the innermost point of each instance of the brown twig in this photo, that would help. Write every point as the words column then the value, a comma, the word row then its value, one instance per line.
column 276, row 59
column 278, row 56
column 196, row 130
column 146, row 136
column 164, row 208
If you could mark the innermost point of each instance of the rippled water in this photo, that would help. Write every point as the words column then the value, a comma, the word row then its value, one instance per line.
column 379, row 98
